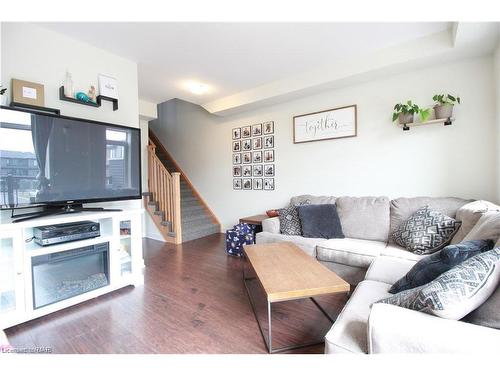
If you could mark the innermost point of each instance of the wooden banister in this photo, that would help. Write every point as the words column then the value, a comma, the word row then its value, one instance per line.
column 166, row 192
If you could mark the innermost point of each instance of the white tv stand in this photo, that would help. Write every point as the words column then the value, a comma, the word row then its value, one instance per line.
column 121, row 230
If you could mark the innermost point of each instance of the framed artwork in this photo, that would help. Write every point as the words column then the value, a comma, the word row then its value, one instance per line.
column 268, row 127
column 246, row 171
column 257, row 183
column 269, row 141
column 268, row 170
column 236, row 171
column 257, row 143
column 247, row 184
column 25, row 92
column 236, row 133
column 237, row 183
column 268, row 183
column 247, row 157
column 236, row 146
column 257, row 157
column 246, row 144
column 108, row 86
column 246, row 132
column 257, row 170
column 330, row 124
column 257, row 130
column 236, row 158
column 268, row 156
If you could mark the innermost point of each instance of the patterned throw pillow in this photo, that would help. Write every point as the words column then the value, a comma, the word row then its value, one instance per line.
column 456, row 292
column 289, row 221
column 426, row 231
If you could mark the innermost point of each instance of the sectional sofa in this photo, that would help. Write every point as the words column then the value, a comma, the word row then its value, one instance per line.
column 368, row 259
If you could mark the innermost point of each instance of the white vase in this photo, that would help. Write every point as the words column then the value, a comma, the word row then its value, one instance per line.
column 3, row 99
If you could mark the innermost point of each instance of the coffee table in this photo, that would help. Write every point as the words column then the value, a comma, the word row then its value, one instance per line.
column 287, row 273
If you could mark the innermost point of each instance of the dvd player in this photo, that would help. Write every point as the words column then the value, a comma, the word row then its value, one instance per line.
column 52, row 234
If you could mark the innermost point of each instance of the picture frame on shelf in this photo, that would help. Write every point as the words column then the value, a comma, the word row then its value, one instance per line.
column 268, row 127
column 236, row 133
column 30, row 93
column 236, row 146
column 236, row 170
column 237, row 184
column 268, row 156
column 246, row 145
column 247, row 184
column 268, row 183
column 236, row 158
column 257, row 170
column 246, row 132
column 257, row 143
column 257, row 157
column 269, row 170
column 256, row 130
column 269, row 141
column 246, row 171
column 108, row 86
column 257, row 184
column 246, row 157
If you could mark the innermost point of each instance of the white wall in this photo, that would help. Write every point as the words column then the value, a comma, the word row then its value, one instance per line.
column 458, row 160
column 33, row 53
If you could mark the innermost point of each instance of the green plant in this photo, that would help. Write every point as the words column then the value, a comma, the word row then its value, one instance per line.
column 410, row 109
column 442, row 99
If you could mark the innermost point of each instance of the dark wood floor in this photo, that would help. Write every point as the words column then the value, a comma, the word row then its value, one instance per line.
column 193, row 301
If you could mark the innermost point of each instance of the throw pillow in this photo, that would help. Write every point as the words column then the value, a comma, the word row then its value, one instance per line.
column 487, row 227
column 428, row 268
column 426, row 231
column 320, row 221
column 469, row 214
column 456, row 292
column 289, row 221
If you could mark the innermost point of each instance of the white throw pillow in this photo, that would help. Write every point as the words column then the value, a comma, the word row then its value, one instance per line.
column 469, row 214
column 487, row 228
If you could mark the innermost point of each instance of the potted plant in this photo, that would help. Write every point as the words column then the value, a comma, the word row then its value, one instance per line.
column 444, row 105
column 406, row 112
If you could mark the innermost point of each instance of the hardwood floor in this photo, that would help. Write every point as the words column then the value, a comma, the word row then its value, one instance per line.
column 193, row 301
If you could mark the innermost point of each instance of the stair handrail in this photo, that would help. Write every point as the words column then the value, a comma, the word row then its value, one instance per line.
column 165, row 189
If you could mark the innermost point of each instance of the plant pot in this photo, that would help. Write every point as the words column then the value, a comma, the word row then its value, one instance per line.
column 405, row 118
column 3, row 99
column 443, row 110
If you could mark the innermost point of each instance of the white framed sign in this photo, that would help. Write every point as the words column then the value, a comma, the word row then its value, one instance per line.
column 329, row 124
column 108, row 86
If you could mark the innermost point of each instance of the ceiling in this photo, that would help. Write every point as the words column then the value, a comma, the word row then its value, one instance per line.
column 237, row 57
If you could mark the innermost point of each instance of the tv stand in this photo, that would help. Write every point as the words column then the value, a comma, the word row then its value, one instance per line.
column 59, row 210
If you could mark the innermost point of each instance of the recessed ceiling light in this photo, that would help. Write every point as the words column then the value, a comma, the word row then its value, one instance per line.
column 197, row 88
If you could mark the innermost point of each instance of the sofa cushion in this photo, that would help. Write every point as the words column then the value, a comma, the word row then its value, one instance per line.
column 487, row 228
column 349, row 333
column 428, row 268
column 350, row 274
column 487, row 314
column 388, row 269
column 349, row 251
column 306, row 244
column 403, row 208
column 426, row 231
column 311, row 199
column 396, row 251
column 457, row 292
column 469, row 214
column 289, row 221
column 366, row 218
column 320, row 221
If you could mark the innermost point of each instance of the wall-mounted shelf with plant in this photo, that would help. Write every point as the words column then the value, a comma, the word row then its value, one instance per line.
column 405, row 113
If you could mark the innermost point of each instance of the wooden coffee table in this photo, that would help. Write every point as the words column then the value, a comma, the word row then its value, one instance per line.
column 287, row 273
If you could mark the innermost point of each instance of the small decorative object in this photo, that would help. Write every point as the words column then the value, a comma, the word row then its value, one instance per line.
column 246, row 144
column 236, row 146
column 405, row 113
column 257, row 170
column 237, row 171
column 81, row 96
column 268, row 127
column 237, row 183
column 317, row 126
column 237, row 133
column 257, row 130
column 108, row 86
column 269, row 141
column 257, row 157
column 257, row 143
column 247, row 171
column 272, row 213
column 257, row 183
column 444, row 105
column 246, row 132
column 91, row 94
column 3, row 96
column 236, row 158
column 68, row 85
column 247, row 157
column 268, row 183
column 25, row 92
column 268, row 170
column 268, row 156
column 247, row 184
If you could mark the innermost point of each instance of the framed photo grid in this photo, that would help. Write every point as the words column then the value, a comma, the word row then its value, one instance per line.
column 253, row 157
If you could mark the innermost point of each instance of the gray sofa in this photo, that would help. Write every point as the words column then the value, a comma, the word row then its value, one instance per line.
column 368, row 259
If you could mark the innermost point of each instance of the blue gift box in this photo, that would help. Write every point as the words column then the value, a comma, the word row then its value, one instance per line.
column 241, row 234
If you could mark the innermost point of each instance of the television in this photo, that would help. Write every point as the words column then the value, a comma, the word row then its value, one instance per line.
column 60, row 161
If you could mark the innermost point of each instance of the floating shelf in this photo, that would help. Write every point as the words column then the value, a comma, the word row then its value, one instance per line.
column 99, row 99
column 35, row 107
column 445, row 121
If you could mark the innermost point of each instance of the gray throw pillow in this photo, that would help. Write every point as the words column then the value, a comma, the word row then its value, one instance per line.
column 457, row 292
column 289, row 221
column 320, row 221
column 428, row 268
column 426, row 231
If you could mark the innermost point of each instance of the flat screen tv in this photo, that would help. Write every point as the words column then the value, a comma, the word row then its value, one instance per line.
column 54, row 160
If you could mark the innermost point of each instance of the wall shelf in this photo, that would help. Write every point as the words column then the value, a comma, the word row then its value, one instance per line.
column 445, row 121
column 98, row 103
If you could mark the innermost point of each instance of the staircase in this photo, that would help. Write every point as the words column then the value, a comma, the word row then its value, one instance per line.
column 196, row 219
